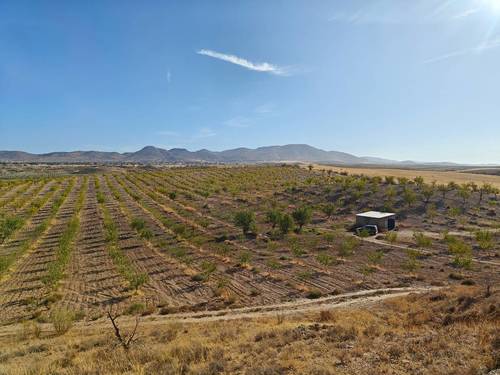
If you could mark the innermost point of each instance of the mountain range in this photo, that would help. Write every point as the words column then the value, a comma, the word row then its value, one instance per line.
column 151, row 154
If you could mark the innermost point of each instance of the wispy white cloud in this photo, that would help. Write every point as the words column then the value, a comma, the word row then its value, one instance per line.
column 169, row 76
column 466, row 13
column 233, row 59
column 466, row 51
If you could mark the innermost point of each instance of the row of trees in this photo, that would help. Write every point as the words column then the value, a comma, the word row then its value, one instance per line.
column 279, row 220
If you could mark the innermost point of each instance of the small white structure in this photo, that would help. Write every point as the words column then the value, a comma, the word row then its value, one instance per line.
column 383, row 220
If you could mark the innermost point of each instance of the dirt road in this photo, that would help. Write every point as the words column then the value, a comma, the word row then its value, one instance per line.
column 361, row 298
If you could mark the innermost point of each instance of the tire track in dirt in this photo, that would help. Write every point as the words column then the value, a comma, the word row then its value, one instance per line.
column 363, row 298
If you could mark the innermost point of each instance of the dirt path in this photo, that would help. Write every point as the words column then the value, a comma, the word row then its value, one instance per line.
column 405, row 247
column 361, row 298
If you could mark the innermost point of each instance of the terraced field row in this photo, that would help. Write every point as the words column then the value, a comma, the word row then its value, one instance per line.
column 26, row 288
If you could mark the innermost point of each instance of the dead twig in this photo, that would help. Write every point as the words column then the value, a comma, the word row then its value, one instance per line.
column 125, row 341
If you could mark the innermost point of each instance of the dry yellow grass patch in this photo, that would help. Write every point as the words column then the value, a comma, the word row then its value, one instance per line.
column 442, row 177
column 443, row 332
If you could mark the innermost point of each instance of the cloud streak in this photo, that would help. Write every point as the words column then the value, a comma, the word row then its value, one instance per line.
column 233, row 59
column 467, row 13
column 478, row 49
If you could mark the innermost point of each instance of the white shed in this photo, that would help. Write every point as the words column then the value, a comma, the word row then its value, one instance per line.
column 383, row 220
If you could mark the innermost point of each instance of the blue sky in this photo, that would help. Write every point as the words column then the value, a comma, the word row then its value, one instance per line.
column 400, row 79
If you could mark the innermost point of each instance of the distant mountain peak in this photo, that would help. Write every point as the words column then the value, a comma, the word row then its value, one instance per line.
column 153, row 154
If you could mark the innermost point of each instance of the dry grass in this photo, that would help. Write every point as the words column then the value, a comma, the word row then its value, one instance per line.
column 445, row 332
column 442, row 177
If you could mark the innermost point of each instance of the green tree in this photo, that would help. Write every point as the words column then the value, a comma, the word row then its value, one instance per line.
column 431, row 212
column 427, row 192
column 419, row 181
column 328, row 209
column 286, row 224
column 302, row 216
column 409, row 196
column 484, row 189
column 389, row 180
column 273, row 217
column 464, row 193
column 443, row 189
column 245, row 220
column 403, row 181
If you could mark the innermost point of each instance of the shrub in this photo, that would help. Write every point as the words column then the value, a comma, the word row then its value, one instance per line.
column 348, row 245
column 484, row 239
column 297, row 250
column 325, row 259
column 146, row 234
column 376, row 256
column 409, row 196
column 302, row 216
column 245, row 257
column 273, row 217
column 62, row 319
column 198, row 277
column 135, row 308
column 422, row 240
column 137, row 224
column 8, row 226
column 271, row 263
column 389, row 180
column 286, row 224
column 245, row 220
column 329, row 237
column 363, row 233
column 179, row 229
column 391, row 237
column 172, row 195
column 328, row 209
column 208, row 267
column 137, row 280
column 100, row 197
column 313, row 294
column 305, row 275
column 412, row 263
column 462, row 253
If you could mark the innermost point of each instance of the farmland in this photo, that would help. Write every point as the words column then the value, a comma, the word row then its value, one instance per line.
column 167, row 240
column 172, row 242
column 438, row 174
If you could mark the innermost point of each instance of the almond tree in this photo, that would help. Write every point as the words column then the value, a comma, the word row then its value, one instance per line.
column 443, row 189
column 409, row 196
column 427, row 192
column 328, row 209
column 485, row 189
column 245, row 220
column 464, row 193
column 419, row 181
column 273, row 217
column 286, row 224
column 302, row 216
